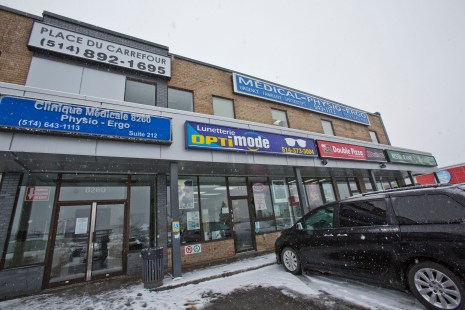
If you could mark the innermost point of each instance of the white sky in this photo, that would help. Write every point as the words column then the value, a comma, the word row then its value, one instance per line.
column 404, row 59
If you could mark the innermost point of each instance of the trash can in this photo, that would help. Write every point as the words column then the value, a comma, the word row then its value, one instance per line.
column 152, row 267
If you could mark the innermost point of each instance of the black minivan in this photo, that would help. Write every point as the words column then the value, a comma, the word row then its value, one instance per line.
column 408, row 238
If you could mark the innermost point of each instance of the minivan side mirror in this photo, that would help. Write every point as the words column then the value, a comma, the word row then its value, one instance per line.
column 299, row 226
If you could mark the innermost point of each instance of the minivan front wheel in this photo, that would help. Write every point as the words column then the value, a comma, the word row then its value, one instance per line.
column 291, row 261
column 436, row 286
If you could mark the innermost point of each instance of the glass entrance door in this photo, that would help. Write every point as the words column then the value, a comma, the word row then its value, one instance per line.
column 88, row 242
column 243, row 238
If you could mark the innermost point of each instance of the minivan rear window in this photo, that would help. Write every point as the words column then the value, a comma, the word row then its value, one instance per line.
column 428, row 209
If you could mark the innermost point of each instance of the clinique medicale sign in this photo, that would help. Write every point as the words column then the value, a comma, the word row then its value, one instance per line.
column 30, row 115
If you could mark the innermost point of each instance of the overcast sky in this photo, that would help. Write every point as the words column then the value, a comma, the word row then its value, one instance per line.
column 404, row 59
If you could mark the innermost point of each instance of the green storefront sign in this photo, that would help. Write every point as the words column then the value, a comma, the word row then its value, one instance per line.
column 410, row 158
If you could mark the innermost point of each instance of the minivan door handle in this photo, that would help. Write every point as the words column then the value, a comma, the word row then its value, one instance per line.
column 342, row 235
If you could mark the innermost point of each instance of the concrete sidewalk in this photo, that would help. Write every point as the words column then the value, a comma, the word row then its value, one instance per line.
column 218, row 271
column 192, row 277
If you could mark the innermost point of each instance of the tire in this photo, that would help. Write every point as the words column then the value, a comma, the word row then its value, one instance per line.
column 291, row 261
column 436, row 287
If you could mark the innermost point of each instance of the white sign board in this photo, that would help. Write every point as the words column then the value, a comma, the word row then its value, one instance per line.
column 193, row 249
column 78, row 45
column 81, row 225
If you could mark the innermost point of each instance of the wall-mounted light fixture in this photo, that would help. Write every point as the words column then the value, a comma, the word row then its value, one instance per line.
column 382, row 165
column 324, row 162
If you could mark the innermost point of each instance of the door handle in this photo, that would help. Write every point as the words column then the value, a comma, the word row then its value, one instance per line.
column 328, row 235
column 342, row 235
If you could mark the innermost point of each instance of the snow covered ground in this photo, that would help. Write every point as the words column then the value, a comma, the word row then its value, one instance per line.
column 136, row 297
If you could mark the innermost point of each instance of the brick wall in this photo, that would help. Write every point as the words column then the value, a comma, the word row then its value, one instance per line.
column 265, row 242
column 212, row 252
column 206, row 81
column 15, row 58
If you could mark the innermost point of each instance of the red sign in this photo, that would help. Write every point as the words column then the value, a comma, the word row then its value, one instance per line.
column 37, row 194
column 340, row 150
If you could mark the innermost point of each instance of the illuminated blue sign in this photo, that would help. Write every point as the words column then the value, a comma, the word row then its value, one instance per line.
column 252, row 87
column 52, row 117
column 215, row 137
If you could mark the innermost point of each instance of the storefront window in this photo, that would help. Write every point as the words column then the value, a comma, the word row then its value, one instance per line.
column 93, row 187
column 189, row 209
column 386, row 183
column 314, row 193
column 282, row 209
column 237, row 186
column 215, row 211
column 294, row 200
column 347, row 187
column 29, row 233
column 263, row 207
column 328, row 190
column 343, row 188
column 142, row 212
column 354, row 189
column 368, row 185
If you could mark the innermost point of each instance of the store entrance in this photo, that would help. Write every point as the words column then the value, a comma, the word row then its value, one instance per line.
column 88, row 241
column 243, row 234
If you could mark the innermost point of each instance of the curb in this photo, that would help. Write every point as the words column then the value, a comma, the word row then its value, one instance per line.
column 223, row 275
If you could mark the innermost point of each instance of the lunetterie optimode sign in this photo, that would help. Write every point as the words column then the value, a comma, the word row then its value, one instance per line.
column 74, row 44
column 256, row 88
column 215, row 137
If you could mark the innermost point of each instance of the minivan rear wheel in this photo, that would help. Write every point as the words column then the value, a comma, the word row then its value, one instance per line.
column 291, row 261
column 435, row 286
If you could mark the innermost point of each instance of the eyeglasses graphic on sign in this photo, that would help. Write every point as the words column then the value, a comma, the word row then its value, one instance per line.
column 292, row 141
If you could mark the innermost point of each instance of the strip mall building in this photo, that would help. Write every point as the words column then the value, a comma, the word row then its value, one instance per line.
column 110, row 144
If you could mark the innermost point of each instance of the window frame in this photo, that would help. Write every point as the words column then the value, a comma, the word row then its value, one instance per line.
column 182, row 90
column 323, row 121
column 374, row 135
column 285, row 115
column 224, row 98
column 141, row 81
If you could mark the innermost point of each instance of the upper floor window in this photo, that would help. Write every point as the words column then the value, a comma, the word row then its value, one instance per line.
column 279, row 118
column 139, row 92
column 180, row 100
column 327, row 127
column 223, row 107
column 373, row 136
